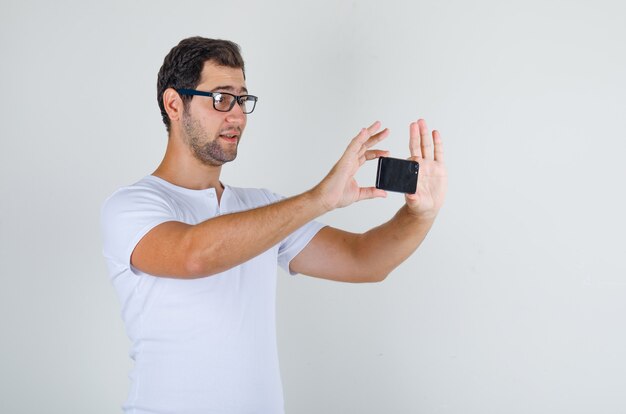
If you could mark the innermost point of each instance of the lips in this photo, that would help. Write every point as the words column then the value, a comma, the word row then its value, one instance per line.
column 230, row 136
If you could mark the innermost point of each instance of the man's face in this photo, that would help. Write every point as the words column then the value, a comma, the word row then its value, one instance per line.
column 213, row 136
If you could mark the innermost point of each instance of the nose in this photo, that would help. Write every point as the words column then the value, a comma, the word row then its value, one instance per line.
column 236, row 113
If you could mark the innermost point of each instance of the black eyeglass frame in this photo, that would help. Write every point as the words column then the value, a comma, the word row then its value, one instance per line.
column 240, row 99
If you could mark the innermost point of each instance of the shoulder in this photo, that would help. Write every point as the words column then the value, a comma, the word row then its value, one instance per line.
column 144, row 194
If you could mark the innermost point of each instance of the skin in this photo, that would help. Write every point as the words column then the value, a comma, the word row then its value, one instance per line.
column 195, row 153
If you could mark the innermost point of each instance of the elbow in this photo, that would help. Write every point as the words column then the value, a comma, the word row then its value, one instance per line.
column 193, row 267
column 200, row 265
column 191, row 262
column 197, row 263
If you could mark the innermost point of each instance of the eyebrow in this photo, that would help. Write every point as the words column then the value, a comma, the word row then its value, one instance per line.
column 229, row 88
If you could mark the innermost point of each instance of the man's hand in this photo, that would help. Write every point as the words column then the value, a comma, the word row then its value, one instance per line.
column 432, row 182
column 339, row 188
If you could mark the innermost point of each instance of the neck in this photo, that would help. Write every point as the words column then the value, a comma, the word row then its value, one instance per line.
column 181, row 168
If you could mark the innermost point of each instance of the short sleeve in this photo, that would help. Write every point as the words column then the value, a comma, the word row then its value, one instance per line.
column 295, row 242
column 128, row 215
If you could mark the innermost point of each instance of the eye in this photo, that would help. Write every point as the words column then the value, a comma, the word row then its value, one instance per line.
column 218, row 98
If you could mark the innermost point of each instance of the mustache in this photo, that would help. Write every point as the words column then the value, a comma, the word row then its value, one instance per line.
column 230, row 131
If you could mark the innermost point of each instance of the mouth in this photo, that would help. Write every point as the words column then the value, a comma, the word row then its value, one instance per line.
column 230, row 137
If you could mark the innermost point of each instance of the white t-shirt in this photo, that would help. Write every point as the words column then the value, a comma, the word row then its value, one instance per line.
column 205, row 345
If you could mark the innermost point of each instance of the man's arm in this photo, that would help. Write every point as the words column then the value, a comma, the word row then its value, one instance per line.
column 179, row 250
column 369, row 257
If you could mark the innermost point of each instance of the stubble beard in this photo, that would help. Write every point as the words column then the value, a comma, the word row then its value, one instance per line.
column 206, row 150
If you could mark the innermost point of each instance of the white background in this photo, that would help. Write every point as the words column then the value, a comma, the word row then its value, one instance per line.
column 516, row 301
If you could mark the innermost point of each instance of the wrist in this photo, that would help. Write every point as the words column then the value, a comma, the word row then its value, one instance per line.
column 314, row 198
column 428, row 215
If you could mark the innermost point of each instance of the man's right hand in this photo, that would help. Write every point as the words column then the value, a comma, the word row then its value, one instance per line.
column 339, row 188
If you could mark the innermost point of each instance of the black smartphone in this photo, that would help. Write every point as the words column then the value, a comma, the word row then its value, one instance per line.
column 397, row 175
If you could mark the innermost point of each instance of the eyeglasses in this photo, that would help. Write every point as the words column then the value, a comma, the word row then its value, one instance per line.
column 223, row 101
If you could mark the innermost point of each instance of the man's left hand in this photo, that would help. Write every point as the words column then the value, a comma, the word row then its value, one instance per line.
column 432, row 182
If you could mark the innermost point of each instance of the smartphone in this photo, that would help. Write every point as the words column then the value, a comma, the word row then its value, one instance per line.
column 397, row 175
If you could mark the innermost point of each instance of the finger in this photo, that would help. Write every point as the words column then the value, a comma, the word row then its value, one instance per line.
column 438, row 146
column 426, row 141
column 366, row 193
column 376, row 138
column 373, row 140
column 414, row 140
column 373, row 154
column 374, row 127
column 357, row 142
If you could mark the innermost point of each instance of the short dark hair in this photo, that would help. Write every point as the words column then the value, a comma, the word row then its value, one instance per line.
column 182, row 67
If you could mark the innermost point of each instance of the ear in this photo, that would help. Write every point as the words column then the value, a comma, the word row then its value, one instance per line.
column 173, row 104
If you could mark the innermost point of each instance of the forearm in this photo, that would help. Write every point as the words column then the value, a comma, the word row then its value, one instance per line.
column 179, row 250
column 226, row 241
column 381, row 249
column 339, row 255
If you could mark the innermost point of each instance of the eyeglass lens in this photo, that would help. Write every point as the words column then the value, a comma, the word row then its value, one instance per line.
column 224, row 102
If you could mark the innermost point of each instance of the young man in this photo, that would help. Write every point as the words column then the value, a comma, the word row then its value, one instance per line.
column 194, row 261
